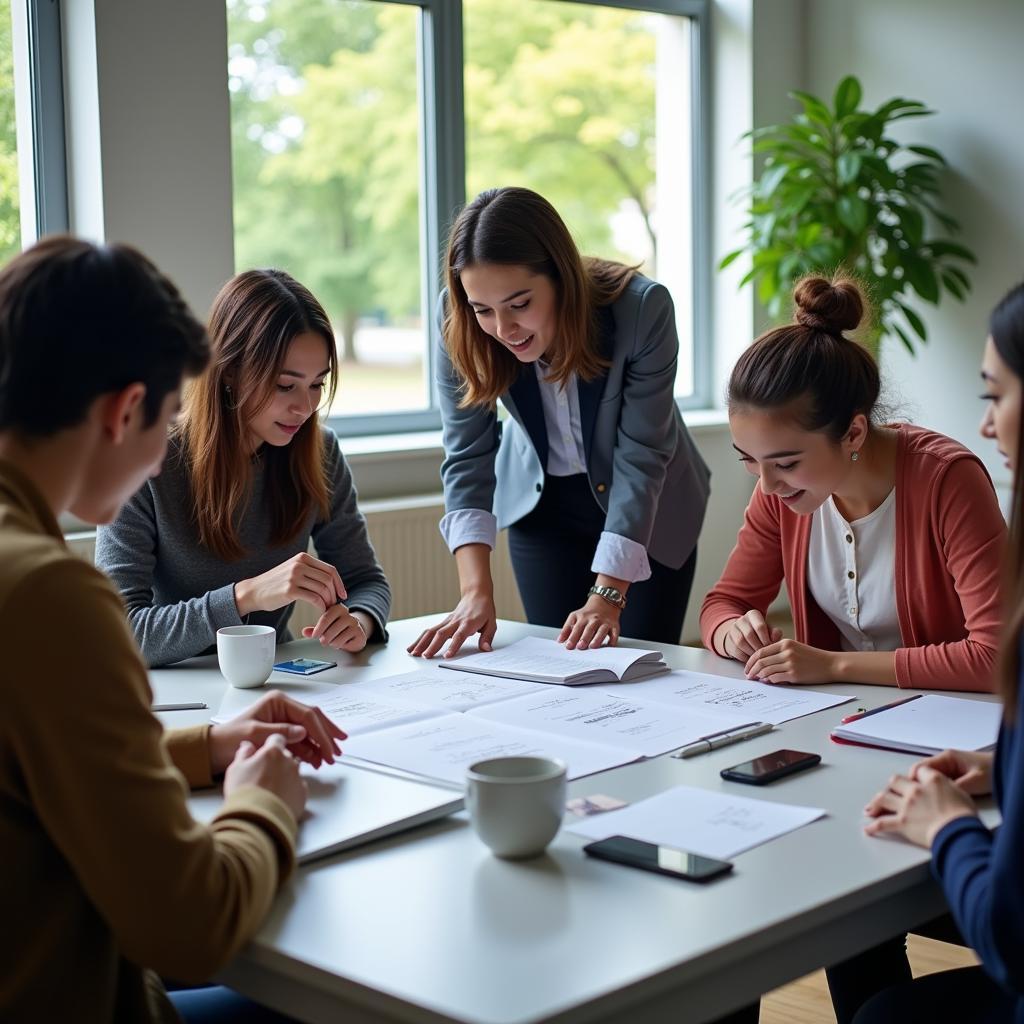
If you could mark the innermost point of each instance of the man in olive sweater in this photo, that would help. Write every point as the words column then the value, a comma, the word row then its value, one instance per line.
column 107, row 880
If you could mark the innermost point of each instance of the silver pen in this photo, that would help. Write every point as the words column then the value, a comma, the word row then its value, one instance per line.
column 724, row 739
column 197, row 705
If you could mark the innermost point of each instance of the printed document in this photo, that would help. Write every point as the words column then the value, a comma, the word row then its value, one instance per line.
column 756, row 701
column 444, row 747
column 645, row 730
column 699, row 820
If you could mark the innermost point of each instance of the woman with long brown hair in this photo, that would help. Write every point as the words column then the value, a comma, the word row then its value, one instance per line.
column 221, row 537
column 932, row 805
column 593, row 472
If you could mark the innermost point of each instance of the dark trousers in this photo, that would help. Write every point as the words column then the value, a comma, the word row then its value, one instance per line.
column 552, row 550
column 853, row 982
column 967, row 994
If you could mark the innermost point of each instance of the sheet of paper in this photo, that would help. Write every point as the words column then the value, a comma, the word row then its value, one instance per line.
column 700, row 820
column 536, row 656
column 451, row 691
column 356, row 707
column 444, row 747
column 646, row 730
column 757, row 701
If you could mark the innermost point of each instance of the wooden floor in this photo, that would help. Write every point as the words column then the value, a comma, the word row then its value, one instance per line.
column 806, row 1001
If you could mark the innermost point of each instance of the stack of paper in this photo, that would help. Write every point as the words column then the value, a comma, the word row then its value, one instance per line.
column 927, row 725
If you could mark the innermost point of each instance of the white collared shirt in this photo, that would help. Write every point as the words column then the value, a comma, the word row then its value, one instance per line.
column 851, row 574
column 615, row 555
column 562, row 419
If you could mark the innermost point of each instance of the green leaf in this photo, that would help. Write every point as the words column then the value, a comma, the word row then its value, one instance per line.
column 771, row 178
column 943, row 247
column 914, row 320
column 922, row 277
column 852, row 212
column 958, row 275
column 886, row 110
column 932, row 154
column 748, row 277
column 903, row 337
column 912, row 223
column 813, row 107
column 848, row 167
column 953, row 286
column 848, row 95
column 731, row 258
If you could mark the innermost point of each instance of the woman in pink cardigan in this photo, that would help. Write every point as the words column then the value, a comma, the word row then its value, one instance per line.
column 889, row 538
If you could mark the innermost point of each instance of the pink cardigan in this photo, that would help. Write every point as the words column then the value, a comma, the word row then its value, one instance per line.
column 950, row 536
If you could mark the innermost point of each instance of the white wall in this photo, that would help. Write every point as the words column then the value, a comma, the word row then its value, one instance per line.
column 963, row 60
column 147, row 125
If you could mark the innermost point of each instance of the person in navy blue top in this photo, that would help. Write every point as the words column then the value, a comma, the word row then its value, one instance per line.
column 979, row 870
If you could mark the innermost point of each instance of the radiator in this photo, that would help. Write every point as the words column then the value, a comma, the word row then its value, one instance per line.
column 417, row 562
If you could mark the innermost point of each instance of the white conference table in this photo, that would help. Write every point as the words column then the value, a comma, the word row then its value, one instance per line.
column 428, row 926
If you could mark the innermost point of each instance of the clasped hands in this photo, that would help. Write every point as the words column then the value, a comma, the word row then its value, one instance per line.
column 936, row 791
column 305, row 578
column 770, row 658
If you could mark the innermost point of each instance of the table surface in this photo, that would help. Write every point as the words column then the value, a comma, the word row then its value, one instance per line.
column 428, row 926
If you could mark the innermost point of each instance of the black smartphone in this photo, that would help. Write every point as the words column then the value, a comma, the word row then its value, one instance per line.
column 770, row 767
column 663, row 860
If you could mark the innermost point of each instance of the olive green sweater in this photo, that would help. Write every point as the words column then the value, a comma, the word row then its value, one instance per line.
column 105, row 873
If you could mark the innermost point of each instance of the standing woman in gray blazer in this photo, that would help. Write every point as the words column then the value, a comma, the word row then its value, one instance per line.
column 593, row 471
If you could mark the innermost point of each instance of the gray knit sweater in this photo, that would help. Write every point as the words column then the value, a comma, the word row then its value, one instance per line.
column 178, row 593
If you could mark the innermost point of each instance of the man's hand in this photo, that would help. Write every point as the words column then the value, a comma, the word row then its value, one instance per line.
column 305, row 731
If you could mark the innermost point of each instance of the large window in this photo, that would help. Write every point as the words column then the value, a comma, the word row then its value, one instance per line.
column 10, row 203
column 359, row 127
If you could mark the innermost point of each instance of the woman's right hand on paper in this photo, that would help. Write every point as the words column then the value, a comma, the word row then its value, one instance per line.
column 301, row 578
column 970, row 770
column 270, row 767
column 743, row 637
column 475, row 613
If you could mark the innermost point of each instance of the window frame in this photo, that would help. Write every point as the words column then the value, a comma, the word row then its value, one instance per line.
column 39, row 77
column 443, row 189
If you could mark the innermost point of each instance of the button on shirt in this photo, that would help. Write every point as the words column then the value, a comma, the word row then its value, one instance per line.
column 851, row 575
column 615, row 555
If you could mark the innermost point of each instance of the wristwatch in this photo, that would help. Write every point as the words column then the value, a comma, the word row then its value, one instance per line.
column 610, row 594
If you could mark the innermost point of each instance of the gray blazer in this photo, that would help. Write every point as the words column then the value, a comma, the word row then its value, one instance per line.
column 644, row 468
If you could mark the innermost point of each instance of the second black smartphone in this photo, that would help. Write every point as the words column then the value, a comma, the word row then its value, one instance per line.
column 663, row 860
column 770, row 767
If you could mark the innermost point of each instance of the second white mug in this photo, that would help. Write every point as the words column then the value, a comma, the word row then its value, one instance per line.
column 516, row 804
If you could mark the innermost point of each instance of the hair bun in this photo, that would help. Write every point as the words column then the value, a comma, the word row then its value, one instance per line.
column 830, row 306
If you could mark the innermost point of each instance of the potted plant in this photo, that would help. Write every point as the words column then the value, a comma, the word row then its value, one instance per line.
column 837, row 192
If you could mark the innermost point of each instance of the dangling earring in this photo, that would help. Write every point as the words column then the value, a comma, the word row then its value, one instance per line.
column 854, row 456
column 227, row 391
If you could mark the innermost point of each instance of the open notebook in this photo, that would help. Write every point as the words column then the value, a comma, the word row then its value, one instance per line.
column 547, row 661
column 927, row 725
column 349, row 806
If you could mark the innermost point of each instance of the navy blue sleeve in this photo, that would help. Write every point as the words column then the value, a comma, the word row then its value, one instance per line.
column 981, row 874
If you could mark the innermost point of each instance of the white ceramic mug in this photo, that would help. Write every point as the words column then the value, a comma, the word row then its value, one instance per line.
column 516, row 803
column 246, row 654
